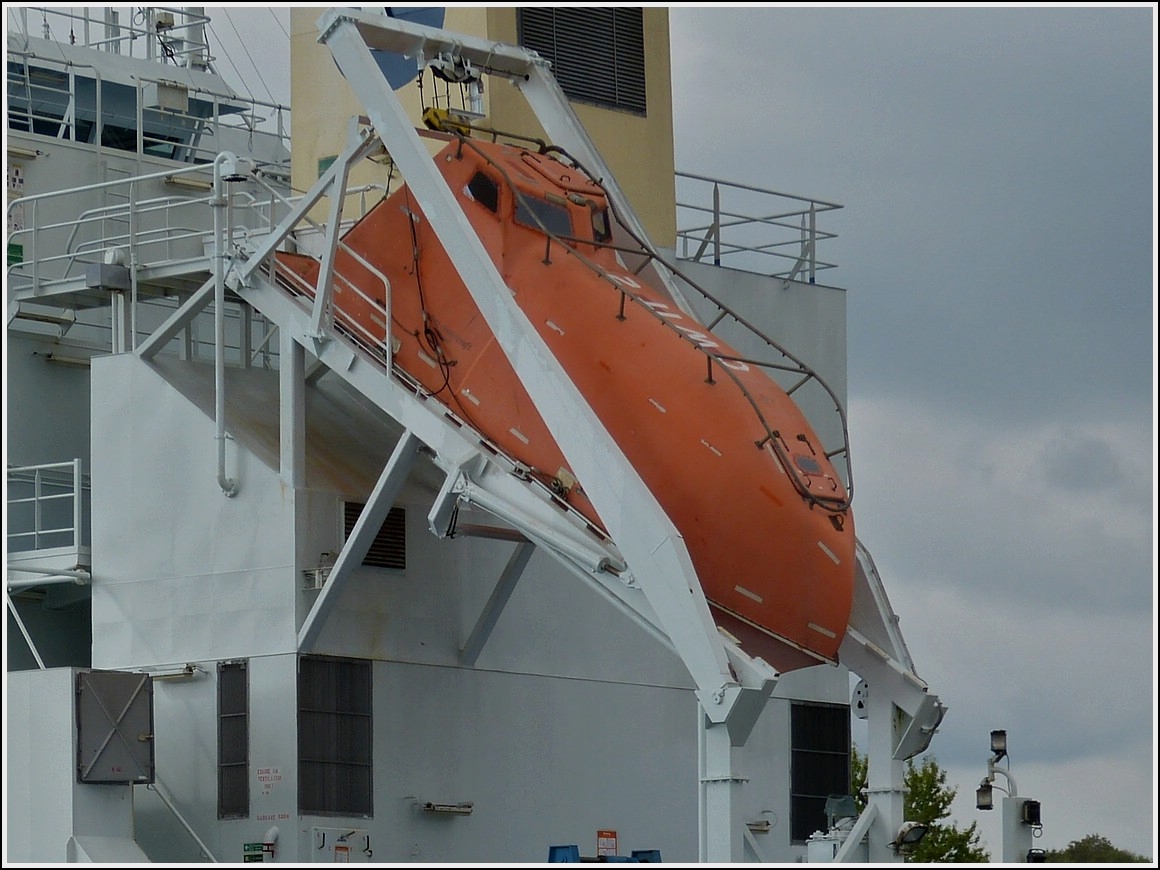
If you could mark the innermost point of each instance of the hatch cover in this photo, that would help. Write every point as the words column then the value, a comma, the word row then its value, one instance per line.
column 114, row 714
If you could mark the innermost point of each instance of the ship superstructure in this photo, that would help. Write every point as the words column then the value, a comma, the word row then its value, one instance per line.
column 337, row 618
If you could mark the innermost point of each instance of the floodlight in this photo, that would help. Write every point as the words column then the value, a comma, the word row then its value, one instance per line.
column 909, row 835
column 999, row 743
column 984, row 799
column 911, row 832
column 1029, row 813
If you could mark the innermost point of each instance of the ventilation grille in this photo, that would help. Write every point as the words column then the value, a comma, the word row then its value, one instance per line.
column 389, row 548
column 819, row 764
column 597, row 55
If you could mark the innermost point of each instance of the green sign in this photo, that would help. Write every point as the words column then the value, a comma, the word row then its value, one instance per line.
column 252, row 853
column 15, row 253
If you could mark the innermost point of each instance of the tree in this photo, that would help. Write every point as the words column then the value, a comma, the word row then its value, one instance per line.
column 1094, row 849
column 928, row 800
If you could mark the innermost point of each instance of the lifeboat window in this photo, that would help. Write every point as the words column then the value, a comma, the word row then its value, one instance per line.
column 807, row 464
column 601, row 231
column 484, row 191
column 539, row 214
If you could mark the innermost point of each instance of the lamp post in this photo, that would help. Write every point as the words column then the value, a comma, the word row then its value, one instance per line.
column 1021, row 816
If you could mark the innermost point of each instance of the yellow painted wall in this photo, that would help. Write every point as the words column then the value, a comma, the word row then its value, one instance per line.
column 323, row 103
column 638, row 150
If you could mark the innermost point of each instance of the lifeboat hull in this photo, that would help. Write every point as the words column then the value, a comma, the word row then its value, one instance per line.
column 775, row 563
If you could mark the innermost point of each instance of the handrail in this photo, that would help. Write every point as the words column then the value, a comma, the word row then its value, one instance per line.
column 156, row 788
column 65, row 481
column 174, row 238
column 34, row 271
column 169, row 33
column 12, row 609
column 368, row 340
column 726, row 363
column 750, row 240
column 226, row 111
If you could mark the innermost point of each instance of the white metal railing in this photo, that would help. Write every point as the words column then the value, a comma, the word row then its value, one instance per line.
column 59, row 240
column 171, row 34
column 47, row 506
column 157, row 117
column 165, row 798
column 60, row 237
column 760, row 230
column 147, row 233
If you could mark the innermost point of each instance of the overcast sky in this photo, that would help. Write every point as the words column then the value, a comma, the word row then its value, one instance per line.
column 997, row 245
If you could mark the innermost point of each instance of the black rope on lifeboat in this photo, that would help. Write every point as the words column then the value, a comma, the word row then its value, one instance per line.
column 830, row 504
column 428, row 333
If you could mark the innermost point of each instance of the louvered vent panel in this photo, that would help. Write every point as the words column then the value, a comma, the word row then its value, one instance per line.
column 597, row 55
column 389, row 549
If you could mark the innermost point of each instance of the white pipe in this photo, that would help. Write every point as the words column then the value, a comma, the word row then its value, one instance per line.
column 228, row 486
column 78, row 575
column 51, row 580
column 1012, row 791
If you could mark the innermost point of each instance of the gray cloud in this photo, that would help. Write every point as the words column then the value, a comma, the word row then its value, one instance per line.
column 994, row 166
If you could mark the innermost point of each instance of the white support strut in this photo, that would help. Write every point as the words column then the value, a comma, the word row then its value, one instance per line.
column 903, row 714
column 651, row 544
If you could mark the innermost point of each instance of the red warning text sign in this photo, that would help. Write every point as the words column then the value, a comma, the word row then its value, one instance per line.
column 605, row 843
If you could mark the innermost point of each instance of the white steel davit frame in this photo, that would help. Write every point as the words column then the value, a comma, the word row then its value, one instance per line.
column 660, row 587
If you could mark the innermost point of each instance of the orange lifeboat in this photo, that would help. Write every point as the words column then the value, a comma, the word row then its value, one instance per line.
column 723, row 448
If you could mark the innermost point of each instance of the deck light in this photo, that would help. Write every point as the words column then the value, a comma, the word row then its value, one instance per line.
column 908, row 836
column 234, row 168
column 999, row 744
column 984, row 799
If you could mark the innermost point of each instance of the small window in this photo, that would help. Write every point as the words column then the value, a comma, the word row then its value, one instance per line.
column 819, row 764
column 389, row 548
column 539, row 214
column 601, row 230
column 233, row 741
column 334, row 736
column 484, row 191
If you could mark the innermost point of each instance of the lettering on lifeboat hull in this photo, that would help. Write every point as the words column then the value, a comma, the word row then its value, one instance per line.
column 710, row 434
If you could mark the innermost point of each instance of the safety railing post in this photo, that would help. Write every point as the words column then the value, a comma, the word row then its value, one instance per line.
column 134, row 262
column 36, row 520
column 140, row 120
column 792, row 229
column 716, row 224
column 33, row 220
column 813, row 242
column 78, row 506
